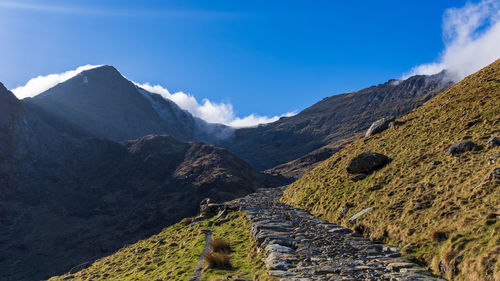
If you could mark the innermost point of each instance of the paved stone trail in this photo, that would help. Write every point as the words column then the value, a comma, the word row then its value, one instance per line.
column 302, row 247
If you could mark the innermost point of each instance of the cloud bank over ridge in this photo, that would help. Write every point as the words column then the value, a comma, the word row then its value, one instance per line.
column 210, row 111
column 472, row 40
column 42, row 83
column 207, row 110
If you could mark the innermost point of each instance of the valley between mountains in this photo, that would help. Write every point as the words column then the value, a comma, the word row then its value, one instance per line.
column 102, row 180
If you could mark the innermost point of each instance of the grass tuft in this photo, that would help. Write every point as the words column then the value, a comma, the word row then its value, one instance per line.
column 217, row 260
column 220, row 246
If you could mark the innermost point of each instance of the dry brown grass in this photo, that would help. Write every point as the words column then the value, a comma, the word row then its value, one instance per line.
column 220, row 246
column 217, row 260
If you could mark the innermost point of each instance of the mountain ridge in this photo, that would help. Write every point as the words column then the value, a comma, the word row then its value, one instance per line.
column 331, row 120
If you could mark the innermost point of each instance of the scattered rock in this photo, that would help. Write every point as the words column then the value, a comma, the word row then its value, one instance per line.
column 209, row 209
column 493, row 158
column 462, row 147
column 495, row 175
column 356, row 216
column 207, row 201
column 379, row 126
column 435, row 163
column 367, row 162
column 493, row 142
column 79, row 267
column 344, row 211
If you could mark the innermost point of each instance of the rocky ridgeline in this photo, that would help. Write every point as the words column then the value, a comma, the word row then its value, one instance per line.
column 299, row 246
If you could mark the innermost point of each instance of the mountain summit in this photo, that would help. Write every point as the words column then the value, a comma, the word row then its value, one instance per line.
column 105, row 104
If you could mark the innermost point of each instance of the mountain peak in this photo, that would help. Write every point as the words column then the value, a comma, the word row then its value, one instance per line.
column 101, row 72
column 7, row 98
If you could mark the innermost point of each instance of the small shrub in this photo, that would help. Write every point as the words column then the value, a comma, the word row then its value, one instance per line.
column 439, row 236
column 217, row 260
column 187, row 221
column 220, row 246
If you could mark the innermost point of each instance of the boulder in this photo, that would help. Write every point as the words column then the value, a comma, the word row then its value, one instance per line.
column 379, row 126
column 462, row 146
column 366, row 163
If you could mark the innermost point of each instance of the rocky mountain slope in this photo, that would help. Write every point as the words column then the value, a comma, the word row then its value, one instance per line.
column 436, row 194
column 331, row 120
column 104, row 104
column 67, row 198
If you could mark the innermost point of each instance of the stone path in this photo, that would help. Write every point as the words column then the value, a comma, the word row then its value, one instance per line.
column 299, row 246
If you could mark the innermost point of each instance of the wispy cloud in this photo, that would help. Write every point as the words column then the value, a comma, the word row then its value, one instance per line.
column 42, row 83
column 472, row 40
column 209, row 111
column 120, row 12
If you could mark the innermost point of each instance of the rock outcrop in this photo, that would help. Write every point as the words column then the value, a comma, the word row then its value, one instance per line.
column 379, row 126
column 462, row 147
column 367, row 162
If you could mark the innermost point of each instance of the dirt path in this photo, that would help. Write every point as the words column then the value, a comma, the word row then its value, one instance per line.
column 199, row 266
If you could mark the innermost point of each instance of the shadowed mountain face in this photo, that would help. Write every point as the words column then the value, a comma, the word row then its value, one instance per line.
column 331, row 120
column 104, row 104
column 67, row 198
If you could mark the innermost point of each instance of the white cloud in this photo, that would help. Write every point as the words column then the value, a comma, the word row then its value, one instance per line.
column 42, row 83
column 472, row 40
column 210, row 111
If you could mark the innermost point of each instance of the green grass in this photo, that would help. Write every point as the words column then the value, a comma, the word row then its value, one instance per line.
column 170, row 255
column 173, row 255
column 415, row 199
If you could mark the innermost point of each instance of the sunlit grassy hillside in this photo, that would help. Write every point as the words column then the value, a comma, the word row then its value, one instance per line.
column 444, row 213
column 173, row 255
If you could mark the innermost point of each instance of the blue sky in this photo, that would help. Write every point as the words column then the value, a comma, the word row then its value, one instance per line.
column 263, row 57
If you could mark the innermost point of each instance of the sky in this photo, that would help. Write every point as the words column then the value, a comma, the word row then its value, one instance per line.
column 245, row 62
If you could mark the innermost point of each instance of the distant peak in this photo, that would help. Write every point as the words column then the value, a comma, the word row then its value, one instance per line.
column 5, row 93
column 2, row 88
column 104, row 69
